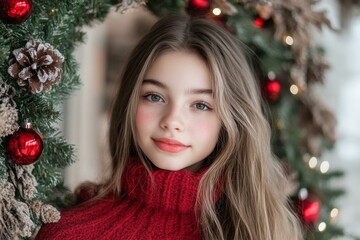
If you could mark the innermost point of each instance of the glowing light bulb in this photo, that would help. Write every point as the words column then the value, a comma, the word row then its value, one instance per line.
column 313, row 162
column 324, row 167
column 334, row 213
column 289, row 40
column 294, row 89
column 271, row 75
column 216, row 11
column 322, row 226
column 303, row 193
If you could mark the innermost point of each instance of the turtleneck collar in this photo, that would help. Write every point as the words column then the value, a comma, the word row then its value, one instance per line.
column 164, row 190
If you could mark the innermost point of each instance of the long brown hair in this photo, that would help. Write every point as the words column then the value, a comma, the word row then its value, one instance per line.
column 253, row 205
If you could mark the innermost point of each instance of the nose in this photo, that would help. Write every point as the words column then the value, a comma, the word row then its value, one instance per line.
column 172, row 120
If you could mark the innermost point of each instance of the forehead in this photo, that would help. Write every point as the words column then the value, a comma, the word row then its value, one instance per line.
column 180, row 67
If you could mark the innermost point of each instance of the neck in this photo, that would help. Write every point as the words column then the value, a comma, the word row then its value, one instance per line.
column 162, row 189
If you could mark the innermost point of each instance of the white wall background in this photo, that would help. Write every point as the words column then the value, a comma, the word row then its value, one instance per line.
column 85, row 126
column 85, row 123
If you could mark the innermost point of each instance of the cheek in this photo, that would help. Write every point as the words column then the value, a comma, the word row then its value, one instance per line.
column 139, row 116
column 207, row 130
column 144, row 117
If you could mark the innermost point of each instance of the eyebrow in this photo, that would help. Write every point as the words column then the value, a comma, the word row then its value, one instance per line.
column 154, row 82
column 163, row 86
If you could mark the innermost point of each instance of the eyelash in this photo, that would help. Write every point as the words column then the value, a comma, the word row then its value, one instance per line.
column 149, row 95
column 204, row 104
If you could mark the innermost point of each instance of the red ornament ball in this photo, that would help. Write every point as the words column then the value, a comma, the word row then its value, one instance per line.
column 24, row 146
column 198, row 7
column 15, row 11
column 200, row 4
column 272, row 89
column 308, row 209
column 259, row 22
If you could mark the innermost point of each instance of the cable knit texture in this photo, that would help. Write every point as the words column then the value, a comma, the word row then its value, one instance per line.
column 161, row 207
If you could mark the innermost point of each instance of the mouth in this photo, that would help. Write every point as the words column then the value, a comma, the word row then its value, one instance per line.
column 170, row 145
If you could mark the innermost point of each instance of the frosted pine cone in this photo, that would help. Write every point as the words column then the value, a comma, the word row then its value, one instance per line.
column 36, row 208
column 24, row 180
column 49, row 214
column 8, row 112
column 8, row 92
column 36, row 66
column 124, row 5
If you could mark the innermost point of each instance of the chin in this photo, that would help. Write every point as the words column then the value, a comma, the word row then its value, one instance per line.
column 169, row 167
column 192, row 168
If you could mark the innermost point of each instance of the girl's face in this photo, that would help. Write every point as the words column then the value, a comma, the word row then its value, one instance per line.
column 176, row 123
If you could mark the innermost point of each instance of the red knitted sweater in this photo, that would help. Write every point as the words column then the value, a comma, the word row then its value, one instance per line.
column 162, row 209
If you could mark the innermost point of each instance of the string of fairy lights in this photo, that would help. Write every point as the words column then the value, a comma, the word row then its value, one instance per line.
column 323, row 166
column 312, row 208
column 273, row 88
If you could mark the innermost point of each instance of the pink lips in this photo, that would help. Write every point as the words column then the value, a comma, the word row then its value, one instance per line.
column 169, row 145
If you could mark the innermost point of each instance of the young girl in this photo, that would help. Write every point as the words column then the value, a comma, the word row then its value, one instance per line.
column 190, row 147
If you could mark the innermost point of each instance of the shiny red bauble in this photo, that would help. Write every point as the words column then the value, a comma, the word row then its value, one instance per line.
column 259, row 22
column 15, row 11
column 308, row 209
column 198, row 7
column 24, row 146
column 272, row 89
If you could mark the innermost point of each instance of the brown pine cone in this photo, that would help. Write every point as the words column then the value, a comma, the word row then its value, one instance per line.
column 36, row 66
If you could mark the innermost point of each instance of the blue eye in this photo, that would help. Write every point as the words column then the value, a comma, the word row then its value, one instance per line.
column 153, row 97
column 202, row 106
